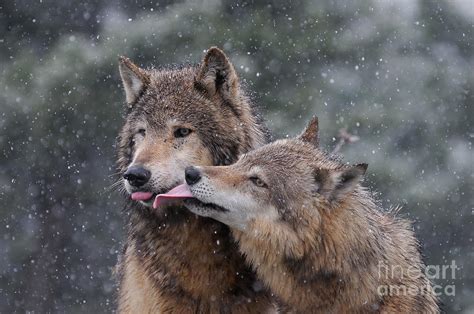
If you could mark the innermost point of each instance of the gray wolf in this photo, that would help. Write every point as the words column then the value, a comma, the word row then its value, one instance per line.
column 173, row 260
column 313, row 234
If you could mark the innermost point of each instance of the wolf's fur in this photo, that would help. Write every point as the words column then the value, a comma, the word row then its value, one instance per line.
column 313, row 234
column 173, row 260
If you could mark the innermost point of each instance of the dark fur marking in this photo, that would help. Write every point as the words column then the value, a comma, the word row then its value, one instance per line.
column 201, row 88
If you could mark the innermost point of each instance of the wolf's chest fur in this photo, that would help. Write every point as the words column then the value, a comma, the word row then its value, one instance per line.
column 186, row 263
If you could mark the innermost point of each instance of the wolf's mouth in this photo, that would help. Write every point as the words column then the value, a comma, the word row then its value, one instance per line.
column 156, row 200
column 205, row 206
column 146, row 198
column 142, row 196
column 179, row 193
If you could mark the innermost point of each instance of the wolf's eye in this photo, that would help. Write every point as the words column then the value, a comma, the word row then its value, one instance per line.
column 258, row 182
column 142, row 132
column 182, row 132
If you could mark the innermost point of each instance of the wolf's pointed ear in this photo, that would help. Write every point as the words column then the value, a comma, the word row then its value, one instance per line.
column 217, row 75
column 334, row 185
column 134, row 79
column 311, row 133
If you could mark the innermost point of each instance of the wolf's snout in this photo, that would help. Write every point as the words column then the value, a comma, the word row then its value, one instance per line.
column 137, row 175
column 192, row 175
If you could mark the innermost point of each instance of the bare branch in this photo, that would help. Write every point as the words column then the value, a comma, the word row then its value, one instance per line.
column 344, row 137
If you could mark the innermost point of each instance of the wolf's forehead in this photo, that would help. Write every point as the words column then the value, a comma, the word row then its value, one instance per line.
column 172, row 82
column 162, row 110
column 286, row 156
column 184, row 72
column 161, row 114
column 277, row 153
column 262, row 162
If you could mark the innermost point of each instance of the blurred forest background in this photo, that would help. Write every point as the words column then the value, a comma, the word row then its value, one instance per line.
column 399, row 74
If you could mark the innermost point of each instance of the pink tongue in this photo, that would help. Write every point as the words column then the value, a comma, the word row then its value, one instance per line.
column 141, row 196
column 180, row 192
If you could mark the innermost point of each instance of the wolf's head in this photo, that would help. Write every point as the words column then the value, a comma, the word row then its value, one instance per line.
column 181, row 117
column 285, row 181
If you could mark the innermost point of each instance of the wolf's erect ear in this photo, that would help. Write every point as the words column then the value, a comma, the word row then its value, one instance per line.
column 334, row 185
column 217, row 75
column 134, row 79
column 311, row 133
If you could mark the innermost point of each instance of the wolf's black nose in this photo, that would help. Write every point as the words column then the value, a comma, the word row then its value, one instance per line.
column 192, row 175
column 137, row 175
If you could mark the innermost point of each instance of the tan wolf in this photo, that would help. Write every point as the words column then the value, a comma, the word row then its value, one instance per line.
column 173, row 260
column 313, row 234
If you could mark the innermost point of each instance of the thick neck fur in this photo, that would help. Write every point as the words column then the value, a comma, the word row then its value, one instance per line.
column 330, row 262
